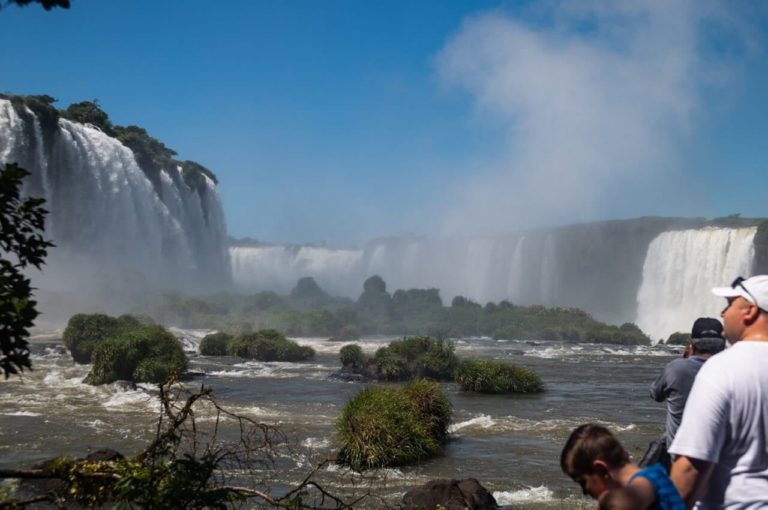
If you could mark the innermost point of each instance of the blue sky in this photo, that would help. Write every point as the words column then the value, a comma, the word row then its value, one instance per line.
column 338, row 121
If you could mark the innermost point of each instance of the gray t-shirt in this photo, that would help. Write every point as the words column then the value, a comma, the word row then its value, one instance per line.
column 673, row 385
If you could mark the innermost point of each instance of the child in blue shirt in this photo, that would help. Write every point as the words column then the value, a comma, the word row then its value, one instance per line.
column 595, row 459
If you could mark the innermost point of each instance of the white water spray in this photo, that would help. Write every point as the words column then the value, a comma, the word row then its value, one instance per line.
column 681, row 268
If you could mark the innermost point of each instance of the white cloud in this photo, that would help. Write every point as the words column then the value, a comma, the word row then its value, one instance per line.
column 597, row 100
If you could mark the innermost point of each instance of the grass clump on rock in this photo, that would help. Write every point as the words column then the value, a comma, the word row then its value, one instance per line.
column 85, row 331
column 414, row 357
column 145, row 354
column 387, row 427
column 215, row 344
column 268, row 345
column 491, row 376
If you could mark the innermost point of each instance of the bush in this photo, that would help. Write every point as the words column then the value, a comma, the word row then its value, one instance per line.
column 352, row 355
column 418, row 356
column 145, row 354
column 679, row 338
column 489, row 376
column 215, row 344
column 386, row 427
column 85, row 331
column 268, row 345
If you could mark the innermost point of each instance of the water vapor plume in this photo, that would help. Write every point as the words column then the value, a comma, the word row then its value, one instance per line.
column 596, row 101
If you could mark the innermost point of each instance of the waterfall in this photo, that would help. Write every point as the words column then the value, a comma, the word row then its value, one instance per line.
column 679, row 271
column 112, row 227
column 278, row 268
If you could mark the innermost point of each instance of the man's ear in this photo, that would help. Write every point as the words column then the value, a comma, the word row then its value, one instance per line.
column 751, row 313
column 600, row 467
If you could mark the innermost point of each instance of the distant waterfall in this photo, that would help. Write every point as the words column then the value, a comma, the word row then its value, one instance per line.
column 278, row 268
column 112, row 227
column 680, row 269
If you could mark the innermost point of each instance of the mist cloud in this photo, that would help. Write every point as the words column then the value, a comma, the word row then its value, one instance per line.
column 596, row 101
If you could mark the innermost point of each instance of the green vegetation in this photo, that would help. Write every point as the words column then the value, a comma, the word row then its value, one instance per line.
column 142, row 354
column 413, row 357
column 151, row 154
column 268, row 345
column 310, row 311
column 385, row 427
column 679, row 338
column 188, row 464
column 352, row 356
column 490, row 376
column 22, row 222
column 215, row 344
column 85, row 331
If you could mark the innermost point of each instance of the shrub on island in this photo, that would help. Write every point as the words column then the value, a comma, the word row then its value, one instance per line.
column 145, row 354
column 268, row 345
column 679, row 338
column 215, row 344
column 351, row 356
column 418, row 356
column 387, row 427
column 85, row 331
column 491, row 376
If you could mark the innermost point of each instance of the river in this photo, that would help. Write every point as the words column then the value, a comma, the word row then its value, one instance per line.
column 511, row 444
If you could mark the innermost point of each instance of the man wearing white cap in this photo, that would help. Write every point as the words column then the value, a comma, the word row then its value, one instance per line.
column 722, row 442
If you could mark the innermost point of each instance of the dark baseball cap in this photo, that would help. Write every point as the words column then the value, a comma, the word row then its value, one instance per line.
column 707, row 335
column 707, row 327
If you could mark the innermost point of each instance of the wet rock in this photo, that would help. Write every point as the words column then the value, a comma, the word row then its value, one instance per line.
column 124, row 385
column 350, row 377
column 104, row 455
column 451, row 495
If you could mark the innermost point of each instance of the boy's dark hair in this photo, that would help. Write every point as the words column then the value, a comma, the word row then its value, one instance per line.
column 588, row 443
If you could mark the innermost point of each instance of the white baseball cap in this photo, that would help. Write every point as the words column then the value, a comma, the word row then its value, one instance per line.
column 754, row 290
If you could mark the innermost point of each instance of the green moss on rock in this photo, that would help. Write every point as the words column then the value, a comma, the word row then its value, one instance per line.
column 491, row 376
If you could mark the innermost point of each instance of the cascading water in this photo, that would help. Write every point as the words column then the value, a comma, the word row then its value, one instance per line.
column 640, row 271
column 680, row 269
column 112, row 228
column 278, row 268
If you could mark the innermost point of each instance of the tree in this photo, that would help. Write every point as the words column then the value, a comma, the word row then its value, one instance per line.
column 22, row 222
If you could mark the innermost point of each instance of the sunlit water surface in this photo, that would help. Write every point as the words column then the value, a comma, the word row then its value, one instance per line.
column 511, row 444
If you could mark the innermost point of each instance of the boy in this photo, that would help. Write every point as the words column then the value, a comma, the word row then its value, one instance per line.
column 595, row 460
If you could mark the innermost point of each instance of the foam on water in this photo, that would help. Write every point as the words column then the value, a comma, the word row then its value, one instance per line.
column 483, row 421
column 130, row 400
column 22, row 413
column 540, row 494
column 316, row 443
column 510, row 423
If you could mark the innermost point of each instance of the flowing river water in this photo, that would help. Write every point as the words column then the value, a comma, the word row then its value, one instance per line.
column 511, row 444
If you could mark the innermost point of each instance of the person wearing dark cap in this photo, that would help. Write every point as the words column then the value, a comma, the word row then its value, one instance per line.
column 675, row 382
column 722, row 442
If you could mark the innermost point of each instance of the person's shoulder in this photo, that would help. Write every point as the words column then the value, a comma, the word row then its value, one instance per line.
column 677, row 364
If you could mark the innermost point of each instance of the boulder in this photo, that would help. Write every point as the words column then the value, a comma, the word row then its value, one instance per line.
column 451, row 495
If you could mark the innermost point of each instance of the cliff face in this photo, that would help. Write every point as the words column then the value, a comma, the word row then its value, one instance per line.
column 116, row 225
